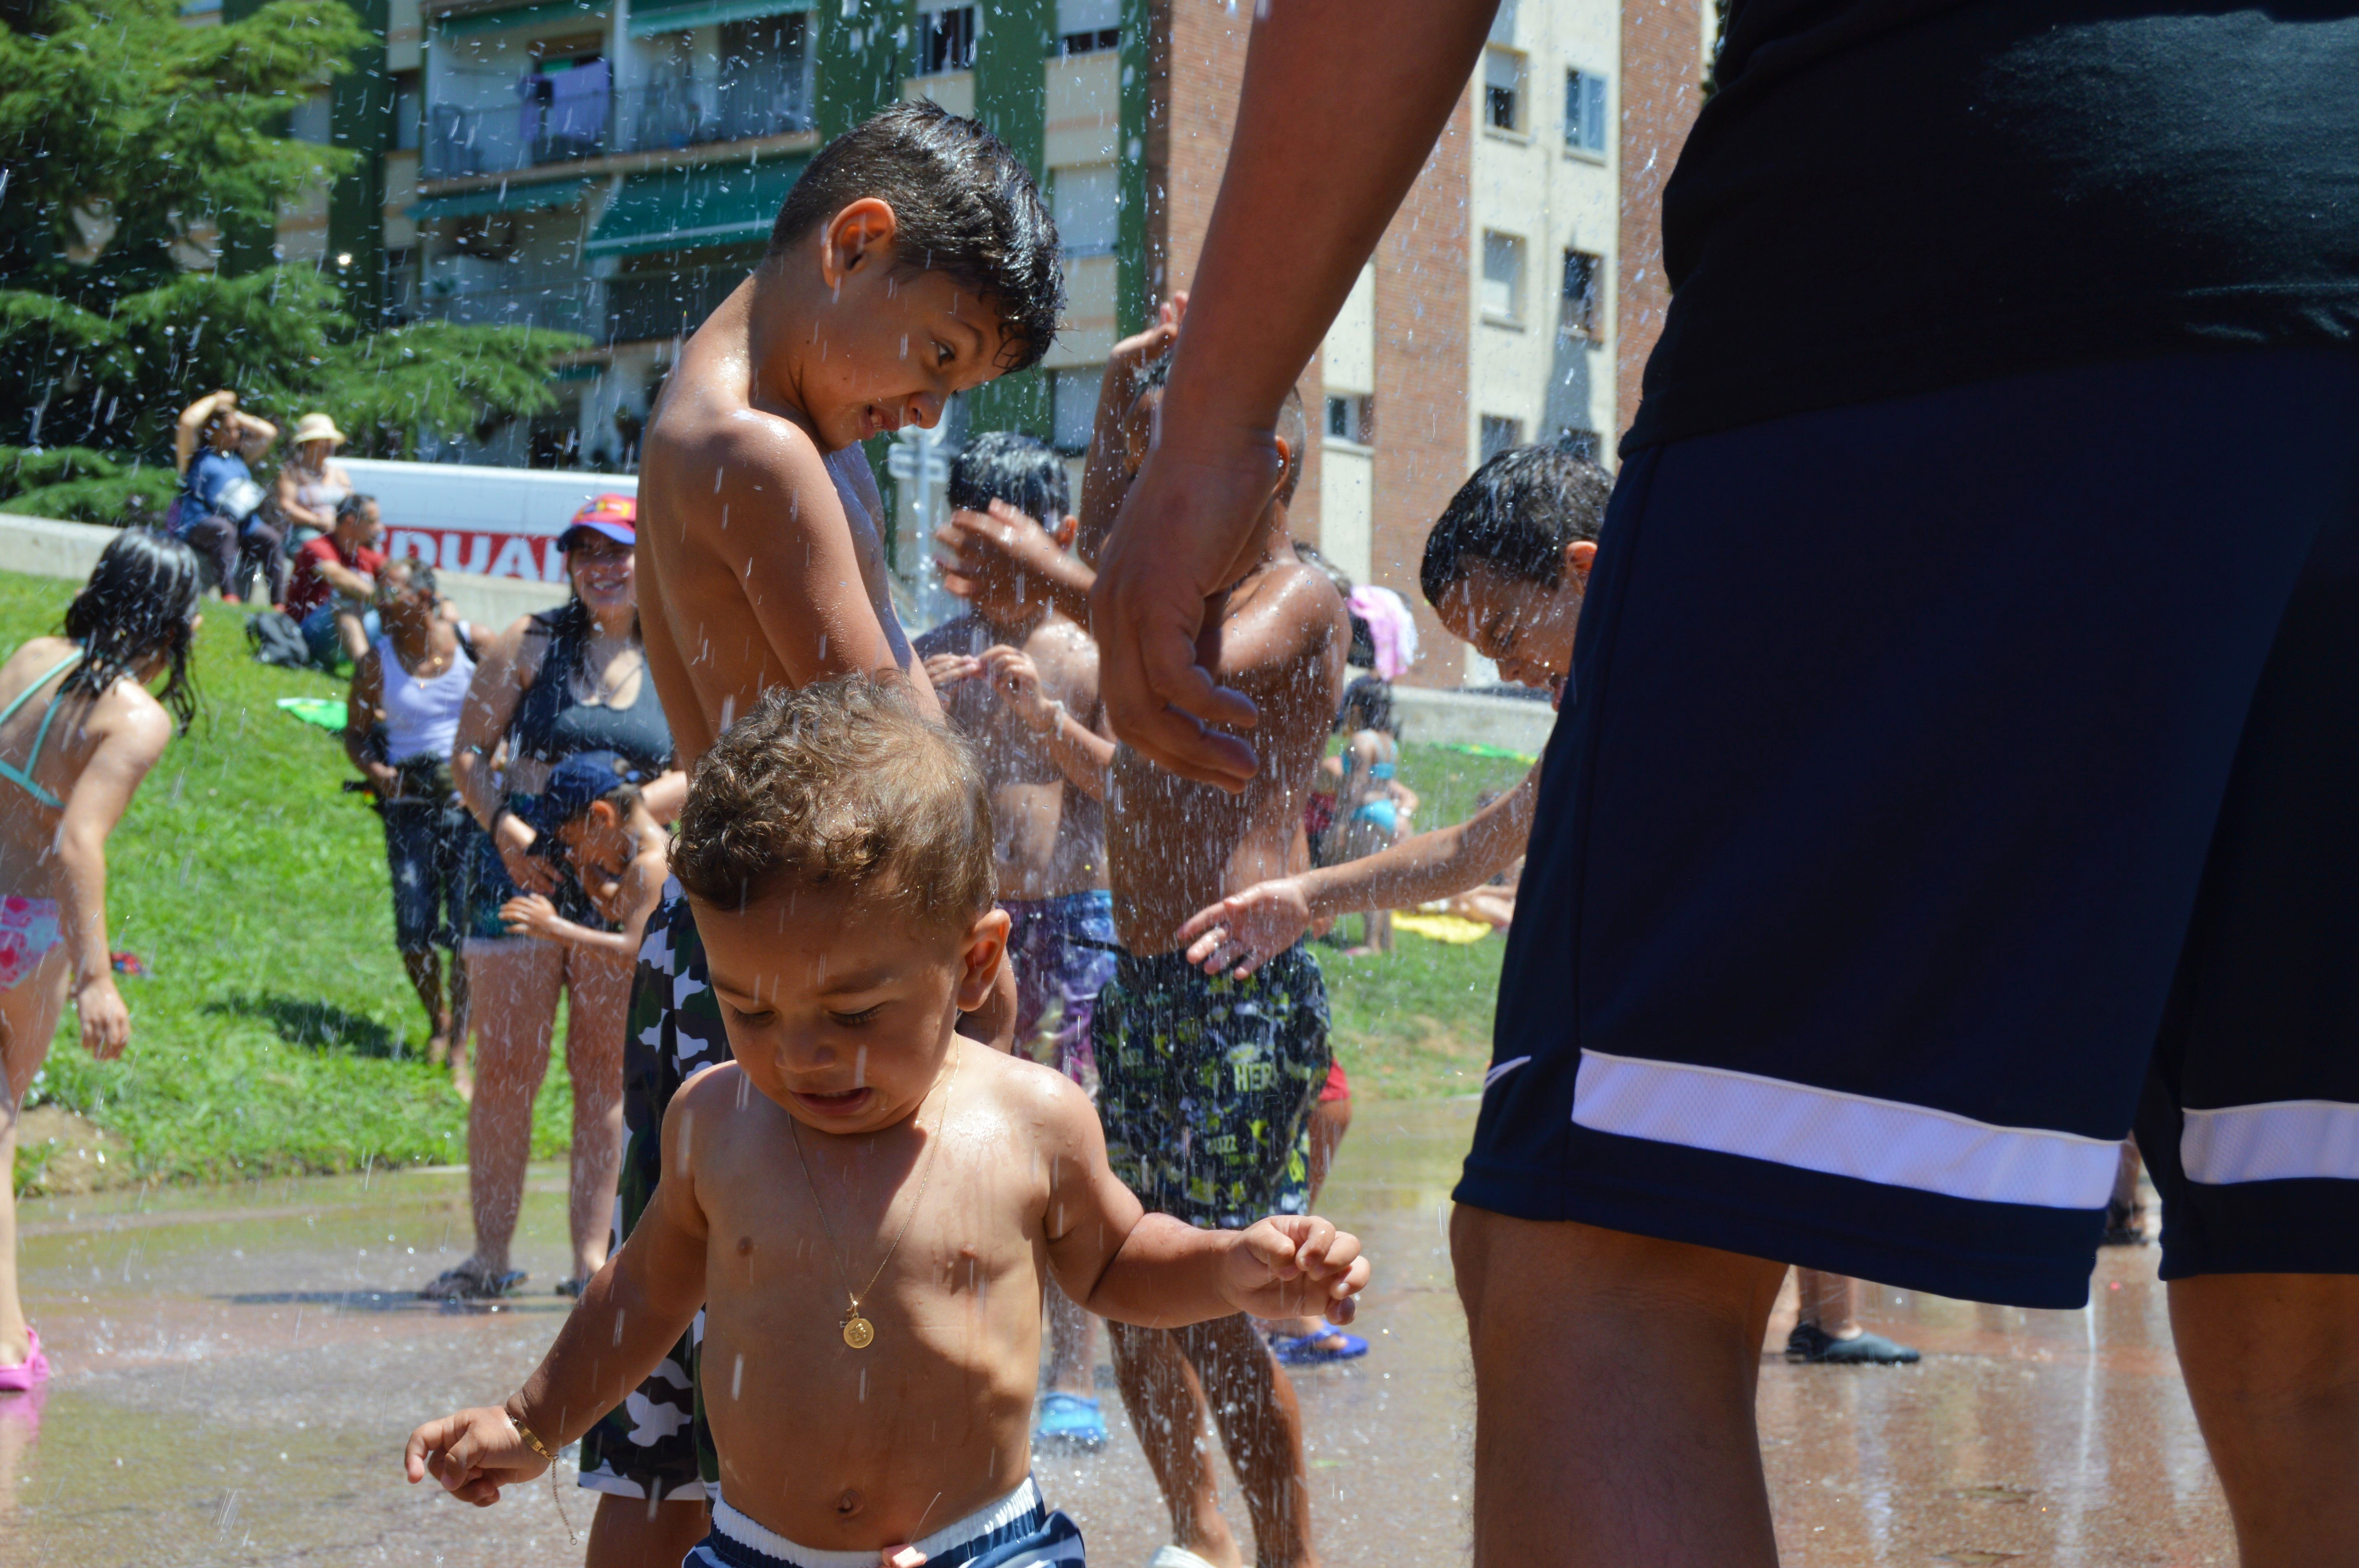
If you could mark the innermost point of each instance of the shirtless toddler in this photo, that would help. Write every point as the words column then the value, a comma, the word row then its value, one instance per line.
column 869, row 1205
column 914, row 259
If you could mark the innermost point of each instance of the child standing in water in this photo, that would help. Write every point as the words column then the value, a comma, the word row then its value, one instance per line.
column 869, row 1205
column 79, row 730
column 1020, row 681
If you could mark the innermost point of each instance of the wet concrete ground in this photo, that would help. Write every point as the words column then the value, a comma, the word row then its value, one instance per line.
column 238, row 1368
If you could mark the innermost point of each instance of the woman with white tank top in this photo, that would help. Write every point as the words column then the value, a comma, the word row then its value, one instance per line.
column 400, row 723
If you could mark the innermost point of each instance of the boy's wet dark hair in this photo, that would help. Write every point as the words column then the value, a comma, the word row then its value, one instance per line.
column 1519, row 511
column 966, row 205
column 843, row 783
column 1008, row 465
column 140, row 601
column 1367, row 706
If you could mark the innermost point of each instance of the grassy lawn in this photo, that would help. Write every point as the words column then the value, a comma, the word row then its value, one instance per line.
column 277, row 1034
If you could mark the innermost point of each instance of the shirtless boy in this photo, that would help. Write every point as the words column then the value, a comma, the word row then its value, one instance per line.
column 914, row 259
column 870, row 1204
column 1020, row 681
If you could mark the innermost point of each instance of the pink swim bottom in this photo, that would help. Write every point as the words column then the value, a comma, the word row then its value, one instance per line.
column 29, row 929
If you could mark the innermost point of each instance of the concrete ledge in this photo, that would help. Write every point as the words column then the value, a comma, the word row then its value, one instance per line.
column 1474, row 718
column 45, row 547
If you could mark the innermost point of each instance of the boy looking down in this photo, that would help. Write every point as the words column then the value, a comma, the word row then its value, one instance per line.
column 1020, row 681
column 914, row 259
column 870, row 1204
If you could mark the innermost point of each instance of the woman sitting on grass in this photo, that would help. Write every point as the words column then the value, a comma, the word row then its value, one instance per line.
column 79, row 730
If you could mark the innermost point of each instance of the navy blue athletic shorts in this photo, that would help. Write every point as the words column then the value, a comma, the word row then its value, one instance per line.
column 1946, row 784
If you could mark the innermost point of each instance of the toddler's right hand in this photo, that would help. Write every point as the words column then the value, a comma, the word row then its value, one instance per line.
column 1245, row 931
column 474, row 1454
column 950, row 668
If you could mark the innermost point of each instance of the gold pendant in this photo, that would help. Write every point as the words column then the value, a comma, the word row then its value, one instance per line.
column 858, row 1331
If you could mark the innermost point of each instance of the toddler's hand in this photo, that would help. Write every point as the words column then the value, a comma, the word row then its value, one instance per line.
column 1292, row 1266
column 530, row 915
column 474, row 1454
column 1245, row 931
column 1017, row 681
column 950, row 668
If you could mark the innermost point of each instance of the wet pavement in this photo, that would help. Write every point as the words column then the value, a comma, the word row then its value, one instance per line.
column 238, row 1368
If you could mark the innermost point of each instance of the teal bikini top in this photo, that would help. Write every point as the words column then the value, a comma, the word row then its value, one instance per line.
column 23, row 777
column 1375, row 769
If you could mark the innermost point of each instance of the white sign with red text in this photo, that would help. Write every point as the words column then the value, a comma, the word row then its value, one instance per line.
column 493, row 522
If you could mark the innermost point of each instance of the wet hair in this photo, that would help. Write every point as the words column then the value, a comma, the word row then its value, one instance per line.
column 841, row 783
column 140, row 601
column 349, row 507
column 1367, row 706
column 621, row 797
column 1293, row 423
column 1008, row 465
column 1363, row 641
column 965, row 205
column 1519, row 511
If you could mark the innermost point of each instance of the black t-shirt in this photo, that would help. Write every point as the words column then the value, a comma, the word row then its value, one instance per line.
column 1893, row 196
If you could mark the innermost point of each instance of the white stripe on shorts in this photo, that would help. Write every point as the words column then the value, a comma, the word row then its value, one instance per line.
column 1883, row 1141
column 2281, row 1141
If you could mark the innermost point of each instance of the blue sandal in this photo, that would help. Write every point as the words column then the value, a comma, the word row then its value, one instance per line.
column 1317, row 1349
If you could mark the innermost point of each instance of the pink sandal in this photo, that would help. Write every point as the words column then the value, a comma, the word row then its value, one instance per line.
column 30, row 1373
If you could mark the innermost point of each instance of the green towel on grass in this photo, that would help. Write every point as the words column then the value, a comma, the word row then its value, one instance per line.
column 328, row 712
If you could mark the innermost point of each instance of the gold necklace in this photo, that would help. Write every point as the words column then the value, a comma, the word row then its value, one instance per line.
column 858, row 1331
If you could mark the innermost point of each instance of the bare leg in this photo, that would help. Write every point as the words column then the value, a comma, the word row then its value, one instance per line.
column 1330, row 1120
column 424, row 967
column 1830, row 1302
column 1827, row 1327
column 2272, row 1365
column 516, row 984
column 461, row 1021
column 2126, row 1212
column 1167, row 1409
column 626, row 1532
column 1261, row 1426
column 1614, row 1388
column 601, row 990
column 351, row 632
column 28, row 1020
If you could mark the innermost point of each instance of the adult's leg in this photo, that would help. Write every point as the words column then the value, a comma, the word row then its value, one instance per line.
column 214, row 539
column 516, row 983
column 2272, row 1365
column 1826, row 1328
column 1166, row 1402
column 630, row 1533
column 261, row 549
column 600, row 991
column 1613, row 1387
column 423, row 965
column 1253, row 1403
column 351, row 633
column 29, row 1019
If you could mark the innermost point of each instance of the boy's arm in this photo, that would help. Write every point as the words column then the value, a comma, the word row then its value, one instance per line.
column 362, row 703
column 632, row 1311
column 1080, row 754
column 1120, row 1262
column 1248, row 930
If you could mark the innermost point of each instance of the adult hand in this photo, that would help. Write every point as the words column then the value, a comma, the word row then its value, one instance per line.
column 105, row 1021
column 1180, row 542
column 1017, row 681
column 949, row 669
column 513, row 839
column 384, row 779
column 1292, row 1266
column 530, row 915
column 1247, row 928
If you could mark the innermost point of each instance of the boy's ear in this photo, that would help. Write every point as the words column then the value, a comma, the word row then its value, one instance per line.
column 1578, row 556
column 1065, row 531
column 862, row 232
column 985, row 945
column 602, row 813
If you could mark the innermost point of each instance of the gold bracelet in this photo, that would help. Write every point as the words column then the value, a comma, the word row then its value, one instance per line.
column 532, row 1440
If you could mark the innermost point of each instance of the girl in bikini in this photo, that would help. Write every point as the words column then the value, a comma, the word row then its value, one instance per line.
column 79, row 730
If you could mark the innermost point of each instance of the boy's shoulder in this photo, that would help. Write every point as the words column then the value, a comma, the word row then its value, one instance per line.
column 1029, row 1099
column 1295, row 601
column 707, row 458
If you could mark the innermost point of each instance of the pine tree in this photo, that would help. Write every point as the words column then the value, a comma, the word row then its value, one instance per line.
column 130, row 145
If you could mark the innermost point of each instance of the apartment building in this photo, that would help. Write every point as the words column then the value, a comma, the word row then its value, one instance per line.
column 611, row 168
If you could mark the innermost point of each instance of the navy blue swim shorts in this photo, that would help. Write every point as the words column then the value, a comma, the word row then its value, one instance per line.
column 1947, row 784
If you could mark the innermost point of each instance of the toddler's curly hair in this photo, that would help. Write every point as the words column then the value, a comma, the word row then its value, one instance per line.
column 843, row 783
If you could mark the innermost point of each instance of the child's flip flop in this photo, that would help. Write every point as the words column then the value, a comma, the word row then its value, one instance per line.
column 30, row 1373
column 1330, row 1343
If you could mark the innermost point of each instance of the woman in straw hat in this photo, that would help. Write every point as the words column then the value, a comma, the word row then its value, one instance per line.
column 310, row 484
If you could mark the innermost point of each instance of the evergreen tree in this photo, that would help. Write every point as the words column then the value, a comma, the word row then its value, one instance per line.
column 130, row 145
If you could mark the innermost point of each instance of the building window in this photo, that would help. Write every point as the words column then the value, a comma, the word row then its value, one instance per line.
column 761, row 87
column 1073, row 408
column 1499, row 434
column 1503, row 277
column 945, row 41
column 1087, row 203
column 409, row 111
column 1579, row 311
column 1502, row 89
column 1585, row 113
column 1084, row 26
column 309, row 120
column 1351, row 417
column 1580, row 443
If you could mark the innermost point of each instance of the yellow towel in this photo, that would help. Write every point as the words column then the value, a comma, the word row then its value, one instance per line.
column 1442, row 928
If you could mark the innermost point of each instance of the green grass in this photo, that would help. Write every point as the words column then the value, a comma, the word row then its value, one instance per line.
column 276, row 1033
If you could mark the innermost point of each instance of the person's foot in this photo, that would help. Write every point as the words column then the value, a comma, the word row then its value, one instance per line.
column 1809, row 1342
column 1325, row 1343
column 470, row 1281
column 1175, row 1556
column 438, row 1049
column 30, row 1371
column 1072, row 1419
column 2124, row 1226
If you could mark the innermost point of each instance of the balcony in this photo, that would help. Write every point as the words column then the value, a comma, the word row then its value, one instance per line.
column 666, row 305
column 663, row 117
column 556, row 304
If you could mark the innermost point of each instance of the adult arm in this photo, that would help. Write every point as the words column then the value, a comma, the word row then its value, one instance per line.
column 1274, row 270
column 509, row 663
column 364, row 707
column 130, row 739
column 293, row 509
column 351, row 584
column 1248, row 930
column 188, row 434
